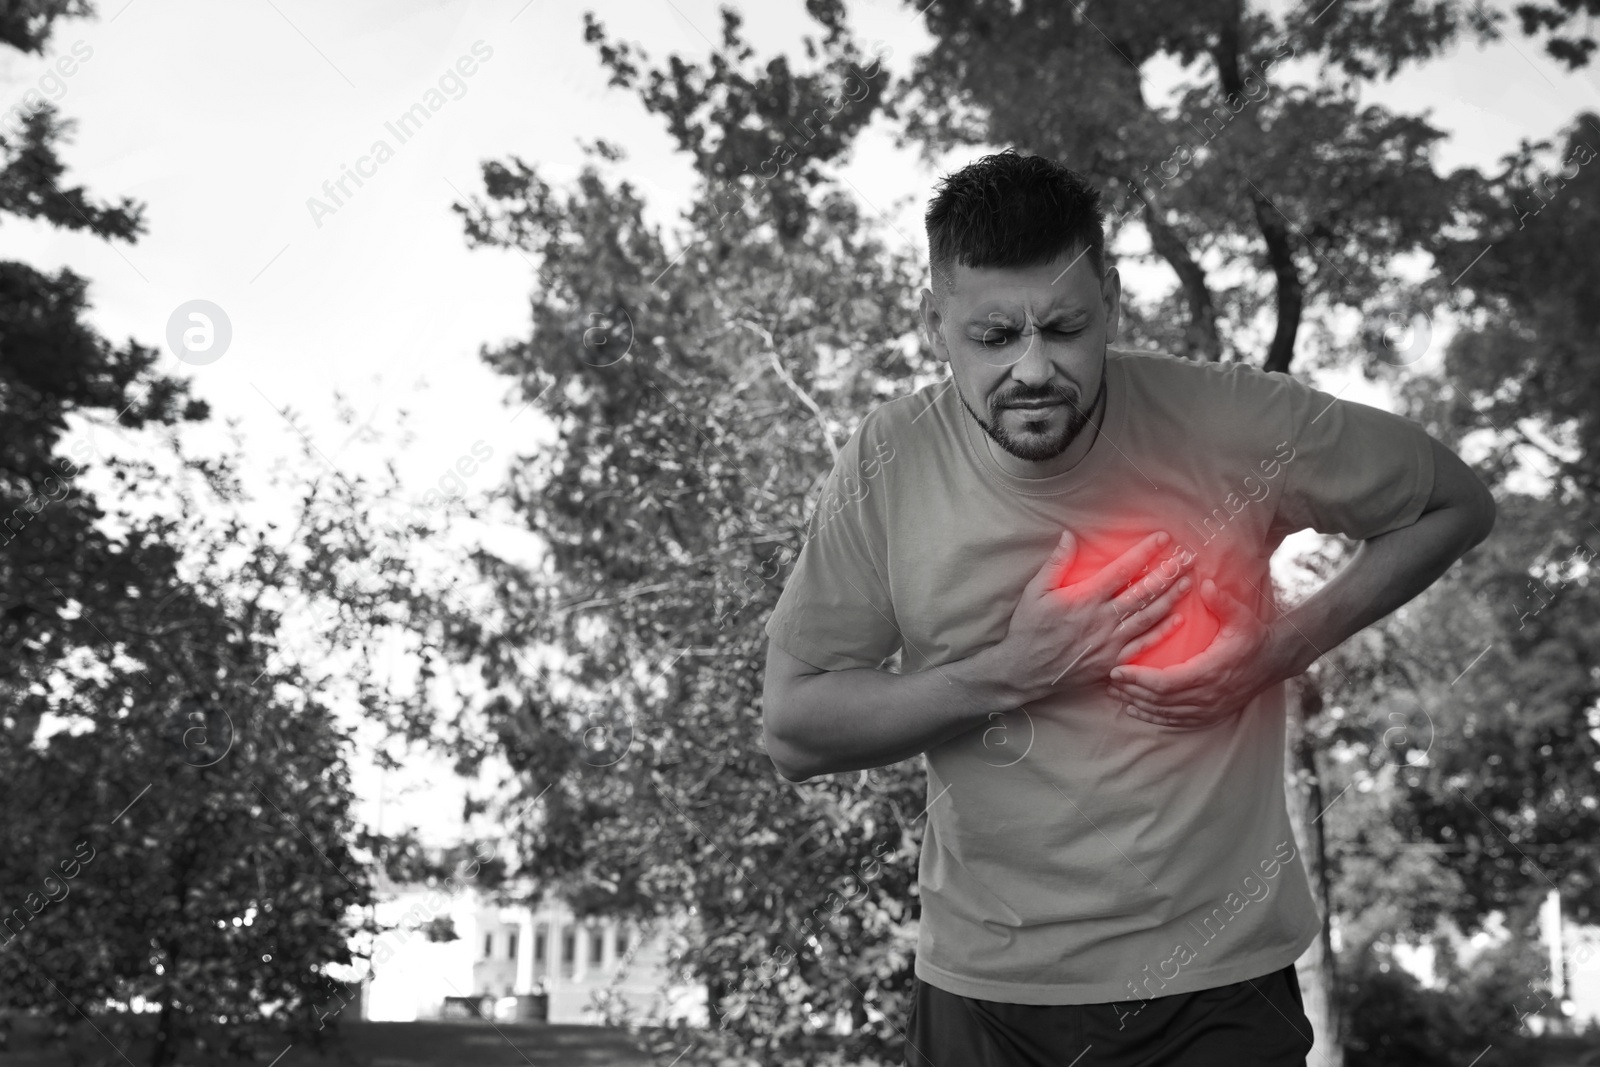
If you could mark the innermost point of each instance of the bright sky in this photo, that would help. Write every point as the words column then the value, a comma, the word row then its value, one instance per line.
column 224, row 119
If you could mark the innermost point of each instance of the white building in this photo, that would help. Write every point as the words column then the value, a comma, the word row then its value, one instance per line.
column 501, row 956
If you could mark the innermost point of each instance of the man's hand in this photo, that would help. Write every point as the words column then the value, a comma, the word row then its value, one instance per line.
column 1212, row 685
column 1069, row 637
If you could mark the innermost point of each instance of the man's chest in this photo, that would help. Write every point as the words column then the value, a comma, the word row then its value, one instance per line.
column 959, row 558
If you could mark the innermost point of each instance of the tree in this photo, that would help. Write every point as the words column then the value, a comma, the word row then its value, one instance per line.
column 179, row 871
column 1508, row 802
column 698, row 410
column 1299, row 192
column 215, row 813
column 700, row 395
column 1483, row 689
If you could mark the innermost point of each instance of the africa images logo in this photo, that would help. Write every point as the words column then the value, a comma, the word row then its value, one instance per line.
column 1211, row 927
column 404, row 127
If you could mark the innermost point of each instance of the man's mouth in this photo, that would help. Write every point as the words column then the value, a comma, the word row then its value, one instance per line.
column 1030, row 405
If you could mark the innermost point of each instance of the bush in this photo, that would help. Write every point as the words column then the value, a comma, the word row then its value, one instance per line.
column 1394, row 1021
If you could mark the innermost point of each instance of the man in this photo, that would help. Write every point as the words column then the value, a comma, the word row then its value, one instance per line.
column 1068, row 544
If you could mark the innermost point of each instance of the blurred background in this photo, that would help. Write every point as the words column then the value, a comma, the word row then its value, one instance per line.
column 410, row 412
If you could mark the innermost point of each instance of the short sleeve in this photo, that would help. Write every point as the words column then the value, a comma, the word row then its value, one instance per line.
column 835, row 611
column 1351, row 468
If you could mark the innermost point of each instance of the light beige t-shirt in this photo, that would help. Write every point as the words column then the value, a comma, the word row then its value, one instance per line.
column 1073, row 854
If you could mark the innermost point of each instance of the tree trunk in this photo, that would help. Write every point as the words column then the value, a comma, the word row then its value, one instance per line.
column 1274, row 227
column 165, row 1047
column 1200, row 338
column 1303, row 786
column 716, row 989
column 1291, row 291
column 858, row 1010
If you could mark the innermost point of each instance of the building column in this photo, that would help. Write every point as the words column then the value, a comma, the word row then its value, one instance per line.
column 552, row 947
column 559, row 924
column 523, row 982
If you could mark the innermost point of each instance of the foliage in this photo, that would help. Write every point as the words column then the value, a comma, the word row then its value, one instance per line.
column 739, row 122
column 1526, row 370
column 1397, row 1022
column 180, row 869
column 227, row 885
column 677, row 490
column 1270, row 200
column 1492, row 675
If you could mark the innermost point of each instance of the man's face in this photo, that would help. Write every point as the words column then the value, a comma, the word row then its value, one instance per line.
column 1026, row 348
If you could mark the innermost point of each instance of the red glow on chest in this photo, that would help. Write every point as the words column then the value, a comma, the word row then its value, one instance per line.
column 1198, row 626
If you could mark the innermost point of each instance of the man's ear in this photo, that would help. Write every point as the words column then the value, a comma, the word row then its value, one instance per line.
column 933, row 325
column 1111, row 294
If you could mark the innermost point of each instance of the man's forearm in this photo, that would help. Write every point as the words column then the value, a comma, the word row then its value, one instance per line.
column 1385, row 572
column 853, row 719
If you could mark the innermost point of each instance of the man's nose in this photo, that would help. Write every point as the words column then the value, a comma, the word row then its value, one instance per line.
column 1034, row 367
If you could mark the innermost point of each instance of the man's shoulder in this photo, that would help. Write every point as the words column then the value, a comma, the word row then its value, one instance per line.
column 925, row 410
column 1224, row 396
column 1163, row 368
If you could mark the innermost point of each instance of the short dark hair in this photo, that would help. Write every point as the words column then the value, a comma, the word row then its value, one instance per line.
column 1010, row 210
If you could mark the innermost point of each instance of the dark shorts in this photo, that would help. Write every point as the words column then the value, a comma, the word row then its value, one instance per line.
column 1260, row 1022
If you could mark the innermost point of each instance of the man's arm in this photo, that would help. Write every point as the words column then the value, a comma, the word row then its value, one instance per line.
column 1060, row 638
column 1388, row 570
column 1385, row 572
column 821, row 722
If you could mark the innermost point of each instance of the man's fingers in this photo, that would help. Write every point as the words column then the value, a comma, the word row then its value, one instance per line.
column 1114, row 576
column 1136, row 620
column 1178, row 719
column 1152, row 636
column 1222, row 603
column 1189, row 706
column 1153, row 703
column 1054, row 570
column 1144, row 709
column 1146, row 587
column 1202, row 667
column 1171, row 723
column 1150, row 679
column 1164, row 704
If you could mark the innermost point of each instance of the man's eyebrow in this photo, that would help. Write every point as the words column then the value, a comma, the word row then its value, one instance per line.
column 1053, row 317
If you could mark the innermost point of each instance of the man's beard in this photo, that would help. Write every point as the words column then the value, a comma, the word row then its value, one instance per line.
column 1037, row 447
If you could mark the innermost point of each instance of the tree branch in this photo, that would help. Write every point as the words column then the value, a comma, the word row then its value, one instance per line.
column 1200, row 338
column 794, row 387
column 1291, row 292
